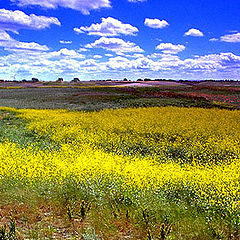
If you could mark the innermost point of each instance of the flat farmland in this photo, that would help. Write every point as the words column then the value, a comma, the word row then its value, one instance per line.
column 90, row 96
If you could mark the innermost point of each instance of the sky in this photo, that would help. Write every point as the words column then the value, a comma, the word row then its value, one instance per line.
column 116, row 39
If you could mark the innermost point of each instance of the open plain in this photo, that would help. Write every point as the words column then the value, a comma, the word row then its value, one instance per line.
column 120, row 160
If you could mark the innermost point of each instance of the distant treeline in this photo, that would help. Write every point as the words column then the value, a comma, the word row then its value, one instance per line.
column 76, row 80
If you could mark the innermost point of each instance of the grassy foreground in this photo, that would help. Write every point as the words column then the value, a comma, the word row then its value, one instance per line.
column 141, row 173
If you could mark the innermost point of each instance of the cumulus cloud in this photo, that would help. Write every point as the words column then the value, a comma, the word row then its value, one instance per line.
column 108, row 27
column 142, row 63
column 170, row 48
column 118, row 62
column 82, row 50
column 136, row 55
column 108, row 55
column 65, row 42
column 213, row 40
column 124, row 64
column 223, row 65
column 4, row 36
column 66, row 53
column 156, row 23
column 78, row 30
column 85, row 6
column 231, row 38
column 115, row 45
column 97, row 56
column 194, row 33
column 213, row 62
column 15, row 45
column 11, row 44
column 15, row 20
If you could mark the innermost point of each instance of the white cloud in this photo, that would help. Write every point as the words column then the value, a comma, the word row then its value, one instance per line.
column 108, row 55
column 15, row 20
column 15, row 45
column 231, row 38
column 233, row 31
column 155, row 55
column 66, row 53
column 156, row 23
column 77, row 30
column 108, row 27
column 213, row 40
column 4, row 36
column 115, row 44
column 124, row 64
column 11, row 44
column 207, row 63
column 143, row 64
column 118, row 63
column 194, row 33
column 88, row 63
column 81, row 5
column 203, row 63
column 33, row 63
column 65, row 42
column 97, row 56
column 82, row 50
column 215, row 62
column 170, row 48
column 136, row 55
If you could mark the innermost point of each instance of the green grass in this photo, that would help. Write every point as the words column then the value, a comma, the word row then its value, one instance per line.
column 41, row 212
column 14, row 130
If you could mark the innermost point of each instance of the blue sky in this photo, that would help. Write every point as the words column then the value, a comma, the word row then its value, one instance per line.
column 102, row 39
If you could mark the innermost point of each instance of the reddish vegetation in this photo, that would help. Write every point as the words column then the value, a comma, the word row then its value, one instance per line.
column 167, row 94
column 217, row 97
column 219, row 89
column 46, row 219
column 224, row 98
column 29, row 220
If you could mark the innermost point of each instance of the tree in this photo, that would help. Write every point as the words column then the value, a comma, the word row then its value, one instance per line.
column 35, row 80
column 75, row 80
column 59, row 80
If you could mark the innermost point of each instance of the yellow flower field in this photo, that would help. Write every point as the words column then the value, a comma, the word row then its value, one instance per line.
column 136, row 148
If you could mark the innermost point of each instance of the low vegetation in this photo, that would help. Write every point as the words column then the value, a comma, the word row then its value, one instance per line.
column 134, row 173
